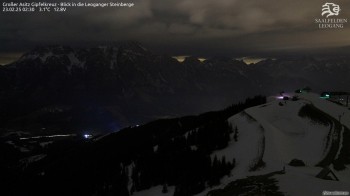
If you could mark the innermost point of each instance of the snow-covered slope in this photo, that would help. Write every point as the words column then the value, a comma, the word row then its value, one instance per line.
column 287, row 136
column 273, row 134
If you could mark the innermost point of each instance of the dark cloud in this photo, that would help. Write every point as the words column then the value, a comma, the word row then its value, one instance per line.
column 181, row 26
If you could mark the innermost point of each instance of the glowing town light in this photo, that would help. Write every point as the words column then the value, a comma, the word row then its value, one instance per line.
column 87, row 136
column 47, row 136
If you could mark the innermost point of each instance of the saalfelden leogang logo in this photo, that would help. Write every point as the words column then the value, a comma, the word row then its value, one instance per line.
column 330, row 20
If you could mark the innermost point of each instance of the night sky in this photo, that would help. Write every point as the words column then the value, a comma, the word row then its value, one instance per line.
column 179, row 27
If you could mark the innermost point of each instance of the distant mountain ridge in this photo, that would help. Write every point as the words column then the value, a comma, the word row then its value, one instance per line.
column 110, row 87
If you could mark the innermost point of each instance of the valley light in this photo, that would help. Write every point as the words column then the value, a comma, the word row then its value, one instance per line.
column 87, row 136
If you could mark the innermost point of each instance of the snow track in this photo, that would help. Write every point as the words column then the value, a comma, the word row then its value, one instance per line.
column 289, row 136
